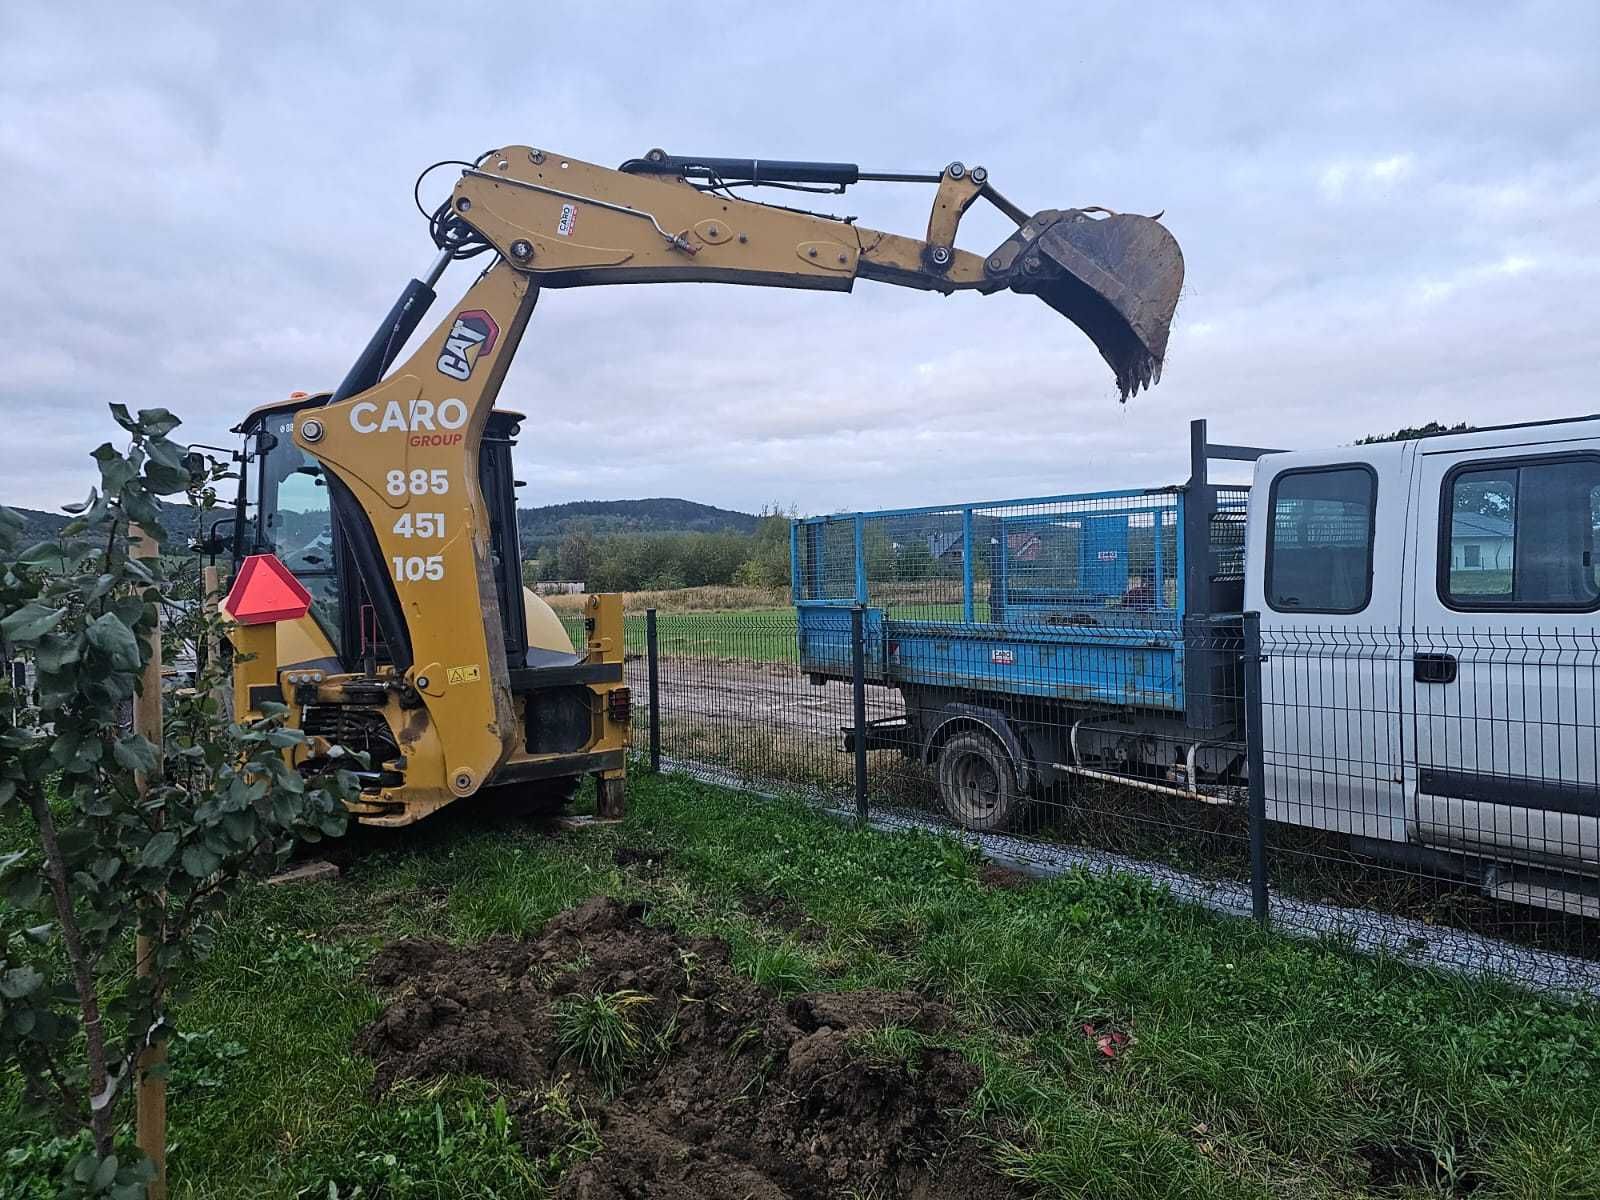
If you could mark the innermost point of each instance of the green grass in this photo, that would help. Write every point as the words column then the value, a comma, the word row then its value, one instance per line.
column 1480, row 583
column 755, row 635
column 751, row 634
column 600, row 1032
column 1260, row 1066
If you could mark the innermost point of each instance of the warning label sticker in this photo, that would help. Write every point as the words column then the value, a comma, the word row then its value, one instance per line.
column 467, row 674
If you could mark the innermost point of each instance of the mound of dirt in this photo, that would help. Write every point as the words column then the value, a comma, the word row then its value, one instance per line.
column 734, row 1093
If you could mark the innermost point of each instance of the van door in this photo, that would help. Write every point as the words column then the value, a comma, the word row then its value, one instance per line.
column 1502, row 678
column 1327, row 533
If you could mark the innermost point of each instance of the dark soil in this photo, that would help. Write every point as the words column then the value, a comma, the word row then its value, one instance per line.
column 1405, row 1165
column 1002, row 879
column 736, row 1093
column 781, row 913
column 648, row 857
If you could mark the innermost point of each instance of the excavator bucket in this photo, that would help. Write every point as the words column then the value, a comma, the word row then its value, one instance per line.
column 1116, row 276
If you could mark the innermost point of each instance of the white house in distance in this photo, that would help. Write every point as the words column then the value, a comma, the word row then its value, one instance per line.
column 1479, row 542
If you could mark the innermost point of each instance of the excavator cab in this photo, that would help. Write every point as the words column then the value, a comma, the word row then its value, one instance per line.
column 284, row 508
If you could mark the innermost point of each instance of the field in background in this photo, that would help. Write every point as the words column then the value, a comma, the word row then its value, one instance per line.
column 716, row 598
column 750, row 624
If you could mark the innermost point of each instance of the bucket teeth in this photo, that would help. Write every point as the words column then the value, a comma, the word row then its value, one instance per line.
column 1116, row 276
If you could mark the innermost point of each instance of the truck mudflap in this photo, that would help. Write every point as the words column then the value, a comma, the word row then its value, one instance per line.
column 886, row 733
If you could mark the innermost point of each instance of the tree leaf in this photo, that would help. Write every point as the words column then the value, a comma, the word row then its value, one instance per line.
column 106, row 1175
column 165, row 481
column 115, row 471
column 19, row 982
column 31, row 622
column 115, row 640
column 199, row 861
column 25, row 889
column 158, row 851
column 42, row 552
column 157, row 422
column 78, row 507
column 55, row 652
column 167, row 454
column 135, row 753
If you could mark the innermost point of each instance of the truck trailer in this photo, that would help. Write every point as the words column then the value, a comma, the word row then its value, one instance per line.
column 1426, row 613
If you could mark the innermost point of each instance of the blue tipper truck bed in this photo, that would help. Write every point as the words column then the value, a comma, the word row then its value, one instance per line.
column 1093, row 629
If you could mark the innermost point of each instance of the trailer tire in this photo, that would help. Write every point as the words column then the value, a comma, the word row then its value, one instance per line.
column 977, row 782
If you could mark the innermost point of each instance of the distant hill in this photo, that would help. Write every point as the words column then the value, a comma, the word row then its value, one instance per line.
column 179, row 520
column 657, row 515
column 538, row 525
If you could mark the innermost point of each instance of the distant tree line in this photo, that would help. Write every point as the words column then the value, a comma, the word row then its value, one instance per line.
column 631, row 562
column 1414, row 431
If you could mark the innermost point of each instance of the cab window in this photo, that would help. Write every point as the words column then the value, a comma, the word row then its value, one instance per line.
column 1319, row 539
column 296, row 522
column 1520, row 534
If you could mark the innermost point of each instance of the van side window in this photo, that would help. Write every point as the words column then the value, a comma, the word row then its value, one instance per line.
column 1520, row 534
column 1319, row 539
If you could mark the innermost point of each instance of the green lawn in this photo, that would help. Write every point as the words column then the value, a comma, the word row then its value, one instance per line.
column 1480, row 583
column 753, row 634
column 758, row 635
column 1260, row 1066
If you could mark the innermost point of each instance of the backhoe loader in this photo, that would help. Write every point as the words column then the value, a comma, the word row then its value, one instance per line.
column 378, row 591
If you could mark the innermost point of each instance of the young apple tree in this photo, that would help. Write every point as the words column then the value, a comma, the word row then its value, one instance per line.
column 121, row 836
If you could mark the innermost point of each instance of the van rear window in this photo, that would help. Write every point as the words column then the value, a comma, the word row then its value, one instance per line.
column 1319, row 540
column 1520, row 534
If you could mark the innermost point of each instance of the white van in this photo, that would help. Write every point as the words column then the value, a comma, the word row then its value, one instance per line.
column 1428, row 615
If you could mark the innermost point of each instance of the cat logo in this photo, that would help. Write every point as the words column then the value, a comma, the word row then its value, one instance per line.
column 471, row 337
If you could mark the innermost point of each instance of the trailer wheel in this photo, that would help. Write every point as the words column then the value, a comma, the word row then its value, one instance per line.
column 976, row 782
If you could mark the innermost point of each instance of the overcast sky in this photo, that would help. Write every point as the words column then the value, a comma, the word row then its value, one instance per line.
column 1390, row 214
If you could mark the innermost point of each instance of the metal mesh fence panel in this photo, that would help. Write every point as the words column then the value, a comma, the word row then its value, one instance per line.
column 735, row 706
column 1122, row 743
column 1436, row 791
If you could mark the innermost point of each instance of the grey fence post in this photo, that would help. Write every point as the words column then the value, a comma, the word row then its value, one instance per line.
column 858, row 685
column 1255, row 765
column 653, row 657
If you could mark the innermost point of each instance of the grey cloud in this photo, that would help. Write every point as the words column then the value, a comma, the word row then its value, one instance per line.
column 1389, row 214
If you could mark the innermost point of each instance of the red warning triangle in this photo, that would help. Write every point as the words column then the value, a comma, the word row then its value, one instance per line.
column 264, row 591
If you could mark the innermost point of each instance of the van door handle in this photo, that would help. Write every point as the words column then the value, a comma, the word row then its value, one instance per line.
column 1433, row 668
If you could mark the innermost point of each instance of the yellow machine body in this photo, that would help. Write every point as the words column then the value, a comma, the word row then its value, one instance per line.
column 398, row 444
